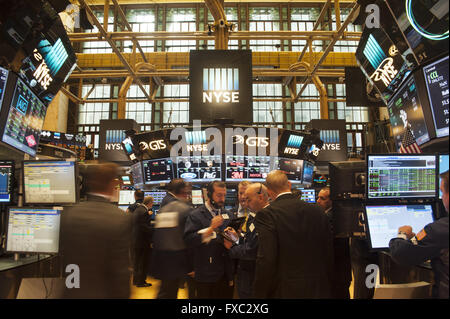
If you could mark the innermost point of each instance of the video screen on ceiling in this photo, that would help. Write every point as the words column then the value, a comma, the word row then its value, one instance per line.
column 158, row 171
column 252, row 168
column 200, row 168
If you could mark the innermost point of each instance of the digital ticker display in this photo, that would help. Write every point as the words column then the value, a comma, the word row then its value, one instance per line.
column 405, row 110
column 394, row 176
column 436, row 79
column 158, row 171
column 25, row 120
column 200, row 168
column 254, row 168
column 6, row 172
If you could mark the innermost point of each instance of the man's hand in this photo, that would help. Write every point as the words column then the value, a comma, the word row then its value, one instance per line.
column 216, row 222
column 191, row 274
column 231, row 230
column 407, row 230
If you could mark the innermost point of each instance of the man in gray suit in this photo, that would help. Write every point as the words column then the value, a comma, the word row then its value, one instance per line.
column 95, row 237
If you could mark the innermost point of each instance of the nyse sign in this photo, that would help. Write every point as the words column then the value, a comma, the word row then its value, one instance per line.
column 42, row 73
column 220, row 97
column 113, row 147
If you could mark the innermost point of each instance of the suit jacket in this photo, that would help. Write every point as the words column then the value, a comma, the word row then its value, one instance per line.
column 211, row 260
column 167, row 199
column 95, row 236
column 295, row 250
column 142, row 230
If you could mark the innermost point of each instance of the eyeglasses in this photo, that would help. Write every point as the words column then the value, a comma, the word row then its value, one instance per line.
column 260, row 188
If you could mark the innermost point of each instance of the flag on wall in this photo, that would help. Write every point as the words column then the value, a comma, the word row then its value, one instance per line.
column 409, row 144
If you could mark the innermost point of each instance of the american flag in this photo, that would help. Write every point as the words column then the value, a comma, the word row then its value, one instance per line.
column 409, row 144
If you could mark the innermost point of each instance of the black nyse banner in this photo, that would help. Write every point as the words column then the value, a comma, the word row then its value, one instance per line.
column 333, row 133
column 221, row 85
column 111, row 135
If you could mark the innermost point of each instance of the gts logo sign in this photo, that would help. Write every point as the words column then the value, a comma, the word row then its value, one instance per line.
column 153, row 145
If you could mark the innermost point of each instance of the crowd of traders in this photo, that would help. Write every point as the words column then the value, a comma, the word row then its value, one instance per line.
column 271, row 245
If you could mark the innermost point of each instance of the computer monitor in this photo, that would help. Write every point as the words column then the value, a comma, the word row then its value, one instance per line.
column 406, row 110
column 126, row 197
column 50, row 182
column 33, row 230
column 200, row 168
column 347, row 179
column 126, row 179
column 136, row 173
column 308, row 195
column 124, row 207
column 6, row 177
column 197, row 197
column 400, row 176
column 157, row 196
column 158, row 171
column 308, row 173
column 436, row 80
column 443, row 167
column 24, row 119
column 383, row 221
column 292, row 167
column 251, row 168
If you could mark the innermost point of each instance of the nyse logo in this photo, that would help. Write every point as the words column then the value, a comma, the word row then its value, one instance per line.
column 113, row 147
column 197, row 148
column 153, row 145
column 331, row 140
column 220, row 85
column 291, row 151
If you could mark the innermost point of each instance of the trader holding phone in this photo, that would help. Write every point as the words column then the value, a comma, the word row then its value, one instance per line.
column 245, row 248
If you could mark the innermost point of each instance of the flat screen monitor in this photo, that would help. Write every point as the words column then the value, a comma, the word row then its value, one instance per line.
column 292, row 167
column 25, row 119
column 383, row 221
column 308, row 172
column 33, row 230
column 197, row 198
column 157, row 196
column 308, row 195
column 6, row 175
column 3, row 79
column 347, row 179
column 405, row 110
column 251, row 168
column 126, row 179
column 49, row 182
column 158, row 171
column 136, row 173
column 126, row 197
column 436, row 79
column 443, row 167
column 401, row 176
column 200, row 168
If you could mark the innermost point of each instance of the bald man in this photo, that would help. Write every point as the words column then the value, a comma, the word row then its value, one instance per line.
column 295, row 246
column 245, row 249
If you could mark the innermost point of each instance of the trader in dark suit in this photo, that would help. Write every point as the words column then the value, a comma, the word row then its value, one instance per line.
column 141, row 241
column 342, row 274
column 173, row 188
column 213, row 269
column 138, row 197
column 95, row 238
column 246, row 248
column 295, row 248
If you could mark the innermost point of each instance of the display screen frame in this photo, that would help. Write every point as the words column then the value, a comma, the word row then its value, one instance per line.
column 161, row 181
column 75, row 179
column 59, row 209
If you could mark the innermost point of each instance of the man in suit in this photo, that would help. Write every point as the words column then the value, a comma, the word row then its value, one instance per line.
column 170, row 260
column 245, row 249
column 95, row 236
column 141, row 241
column 173, row 188
column 213, row 270
column 295, row 248
column 342, row 276
column 138, row 197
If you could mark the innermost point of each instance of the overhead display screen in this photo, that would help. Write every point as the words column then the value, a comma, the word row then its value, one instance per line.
column 136, row 172
column 405, row 110
column 33, row 230
column 3, row 79
column 436, row 79
column 400, row 176
column 308, row 172
column 158, row 171
column 200, row 168
column 49, row 182
column 6, row 173
column 292, row 167
column 25, row 120
column 254, row 168
column 383, row 221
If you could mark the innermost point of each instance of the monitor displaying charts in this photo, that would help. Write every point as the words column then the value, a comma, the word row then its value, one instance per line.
column 292, row 167
column 197, row 198
column 34, row 230
column 436, row 79
column 157, row 171
column 200, row 168
column 308, row 195
column 6, row 174
column 401, row 176
column 126, row 197
column 157, row 196
column 383, row 221
column 251, row 168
